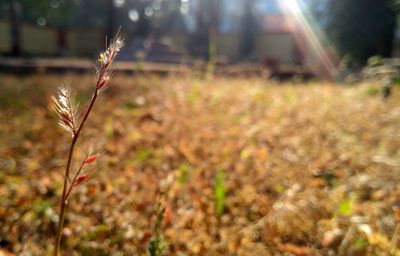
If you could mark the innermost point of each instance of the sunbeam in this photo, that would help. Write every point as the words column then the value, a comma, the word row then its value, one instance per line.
column 310, row 37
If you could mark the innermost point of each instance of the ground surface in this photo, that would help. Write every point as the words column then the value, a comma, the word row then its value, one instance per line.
column 260, row 168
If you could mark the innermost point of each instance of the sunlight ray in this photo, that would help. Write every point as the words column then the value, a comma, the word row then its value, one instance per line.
column 308, row 32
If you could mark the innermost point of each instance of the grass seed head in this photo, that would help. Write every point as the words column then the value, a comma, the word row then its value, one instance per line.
column 66, row 108
column 90, row 159
column 106, row 58
column 81, row 179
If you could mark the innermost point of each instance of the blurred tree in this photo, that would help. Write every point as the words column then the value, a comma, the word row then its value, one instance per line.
column 91, row 13
column 145, row 13
column 40, row 12
column 395, row 3
column 111, row 16
column 207, row 24
column 14, row 8
column 200, row 39
column 145, row 17
column 168, row 16
column 362, row 28
column 249, row 26
column 55, row 13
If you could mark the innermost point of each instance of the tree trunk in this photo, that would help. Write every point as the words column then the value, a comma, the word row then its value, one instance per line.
column 15, row 28
column 248, row 30
column 110, row 27
column 207, row 25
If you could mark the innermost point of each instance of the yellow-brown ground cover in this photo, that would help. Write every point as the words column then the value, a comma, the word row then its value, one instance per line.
column 302, row 169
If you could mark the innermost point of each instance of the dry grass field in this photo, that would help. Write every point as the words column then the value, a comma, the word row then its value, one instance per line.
column 260, row 168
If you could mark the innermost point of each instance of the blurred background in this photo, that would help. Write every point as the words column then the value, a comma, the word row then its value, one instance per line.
column 304, row 163
column 287, row 37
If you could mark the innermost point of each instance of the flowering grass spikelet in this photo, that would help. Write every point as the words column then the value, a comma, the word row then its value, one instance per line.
column 90, row 159
column 66, row 108
column 106, row 59
column 81, row 178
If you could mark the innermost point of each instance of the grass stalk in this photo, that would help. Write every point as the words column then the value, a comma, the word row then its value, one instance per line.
column 67, row 111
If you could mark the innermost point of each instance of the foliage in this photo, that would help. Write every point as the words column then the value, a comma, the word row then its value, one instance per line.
column 52, row 12
column 95, row 13
column 219, row 191
column 183, row 173
column 345, row 207
column 156, row 246
column 375, row 61
column 212, row 53
column 362, row 28
column 152, row 16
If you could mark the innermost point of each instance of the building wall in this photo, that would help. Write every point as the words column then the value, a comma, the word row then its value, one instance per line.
column 178, row 41
column 277, row 46
column 5, row 40
column 228, row 45
column 84, row 42
column 39, row 41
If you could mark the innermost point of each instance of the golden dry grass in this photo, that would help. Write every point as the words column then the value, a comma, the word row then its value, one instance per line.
column 308, row 168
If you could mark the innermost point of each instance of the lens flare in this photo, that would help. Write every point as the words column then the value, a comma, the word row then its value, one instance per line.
column 320, row 55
